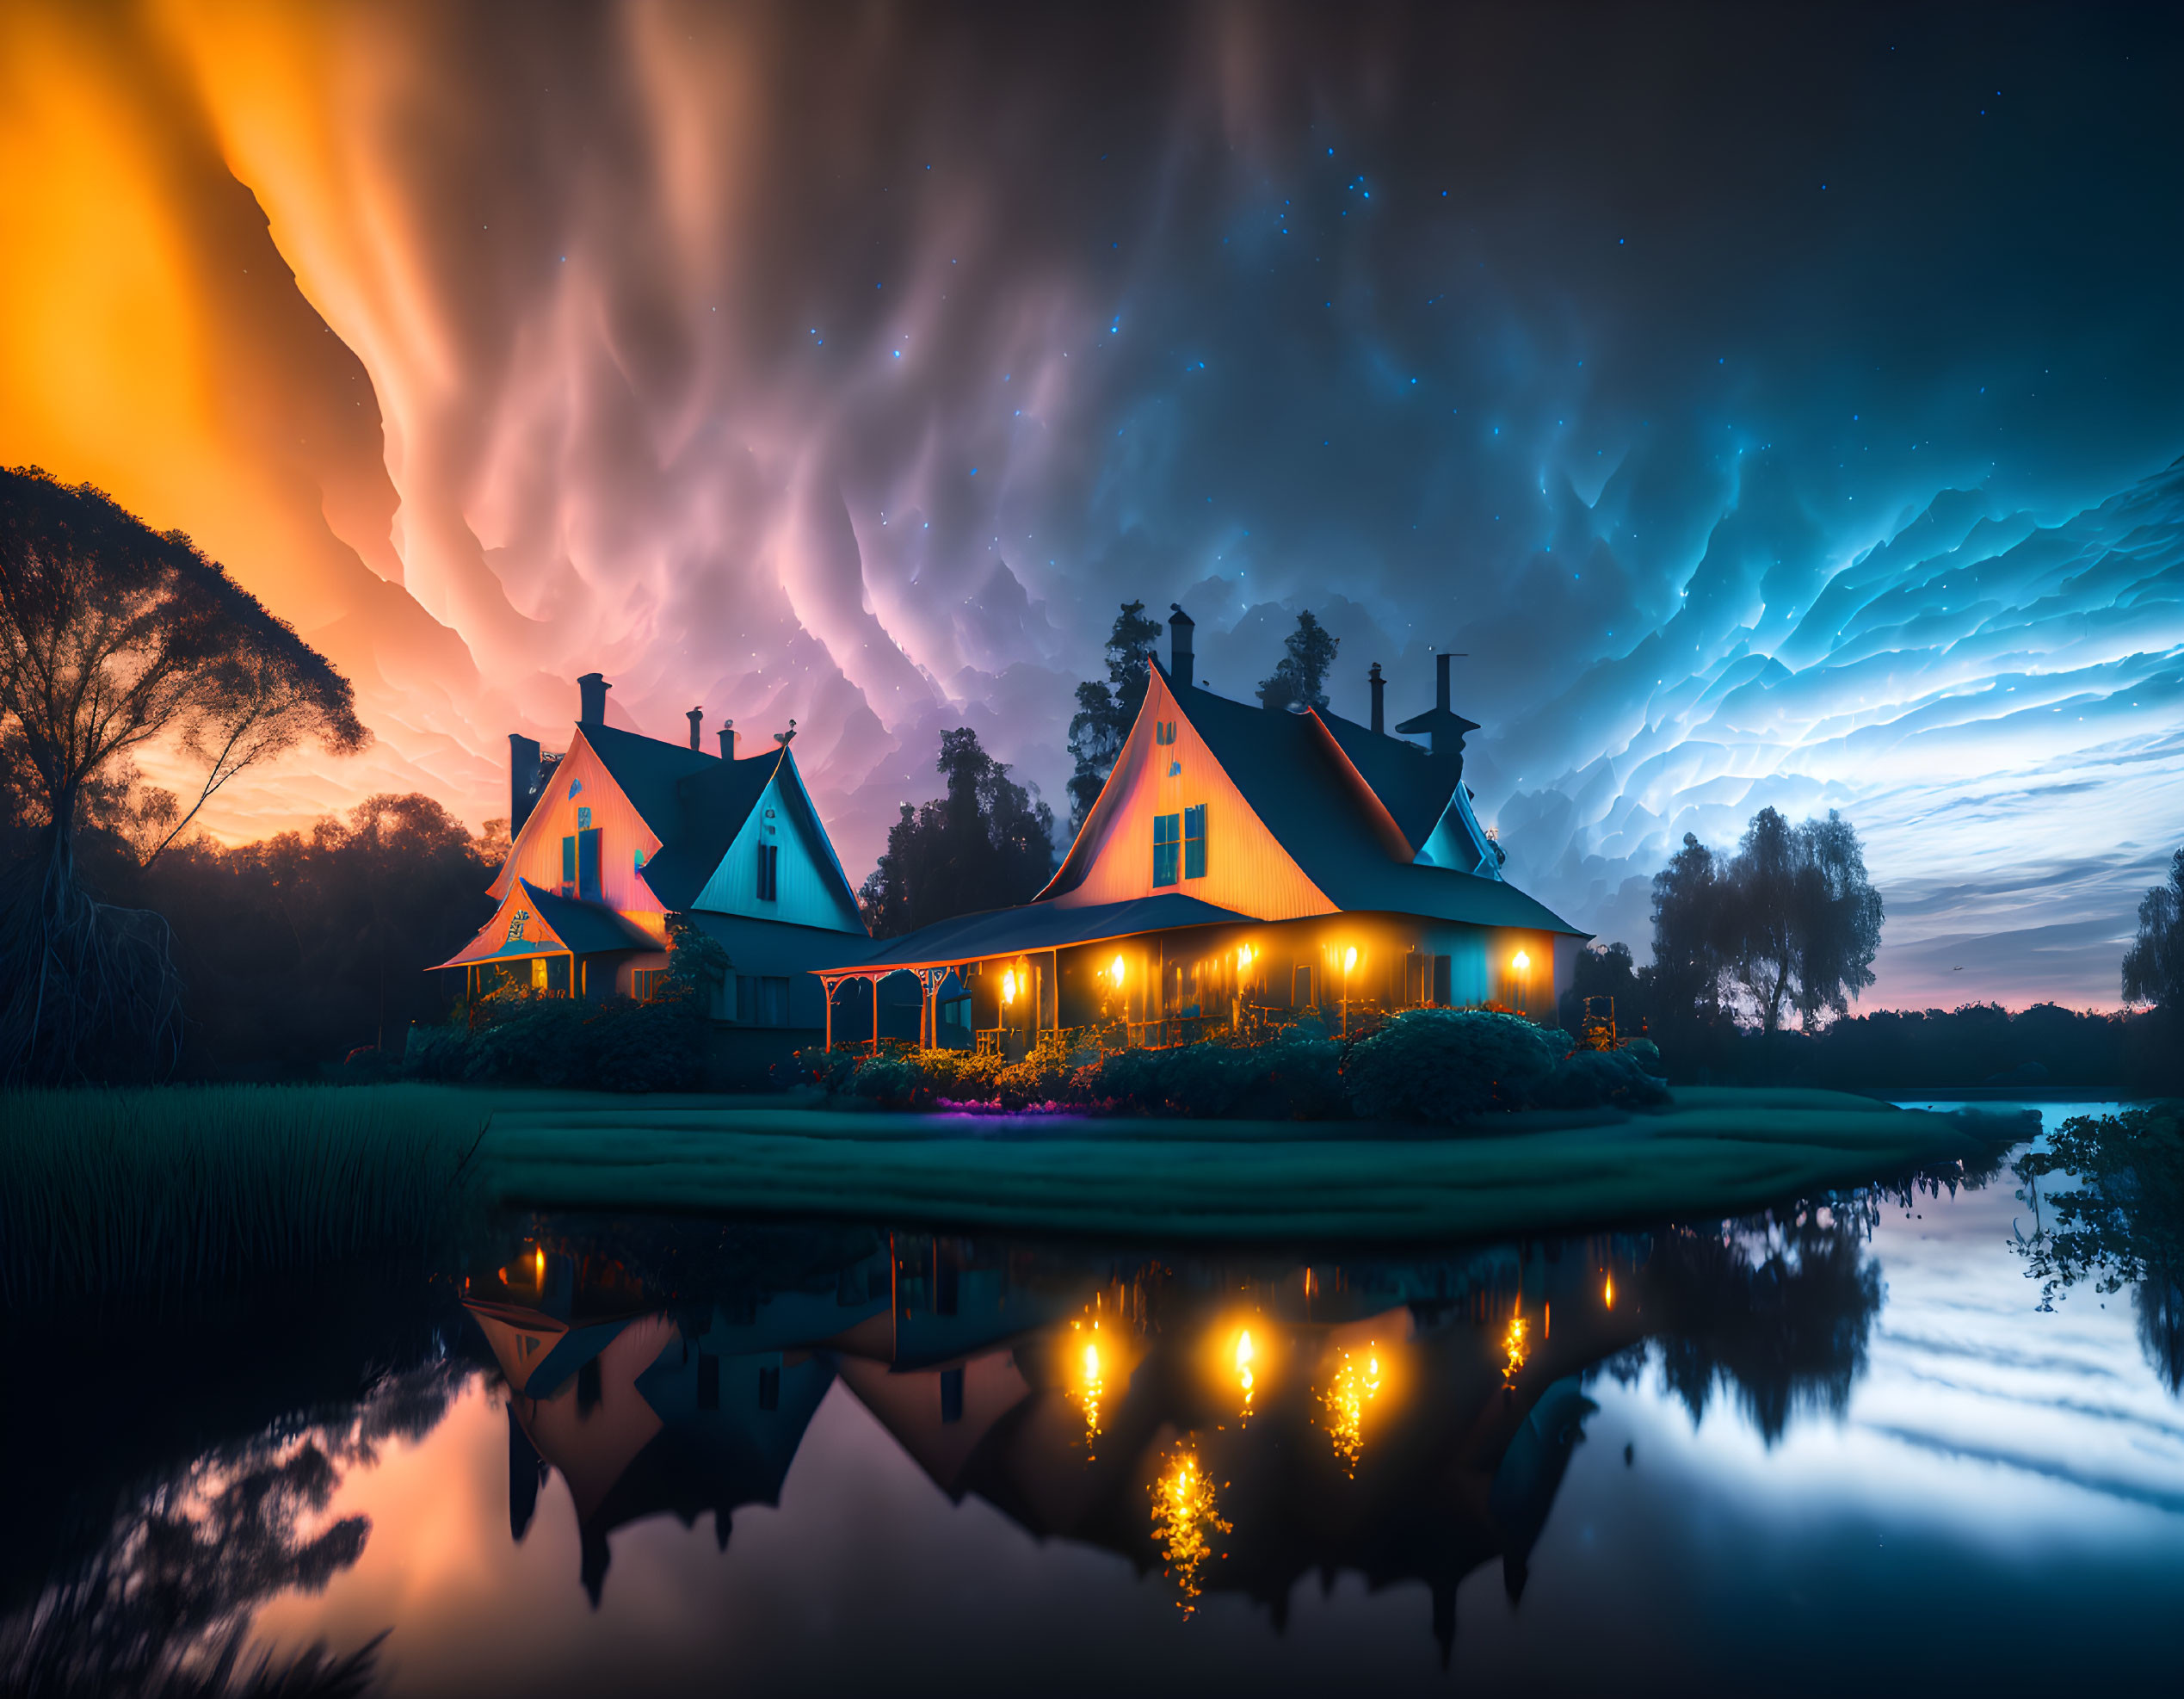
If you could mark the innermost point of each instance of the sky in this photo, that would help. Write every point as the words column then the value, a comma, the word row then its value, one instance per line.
column 1771, row 406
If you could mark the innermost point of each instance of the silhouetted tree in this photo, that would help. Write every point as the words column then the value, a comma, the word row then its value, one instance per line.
column 1802, row 922
column 1608, row 970
column 113, row 638
column 2153, row 968
column 988, row 842
column 301, row 947
column 1105, row 712
column 1689, row 961
column 1297, row 680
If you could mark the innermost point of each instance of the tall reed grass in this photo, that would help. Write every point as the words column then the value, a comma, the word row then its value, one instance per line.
column 177, row 1189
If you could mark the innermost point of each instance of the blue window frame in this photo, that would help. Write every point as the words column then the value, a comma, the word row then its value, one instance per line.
column 1167, row 848
column 769, row 873
column 589, row 884
column 1195, row 841
column 568, row 866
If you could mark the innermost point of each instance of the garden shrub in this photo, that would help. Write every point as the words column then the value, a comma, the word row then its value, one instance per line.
column 1596, row 1078
column 1298, row 1076
column 565, row 1043
column 1448, row 1064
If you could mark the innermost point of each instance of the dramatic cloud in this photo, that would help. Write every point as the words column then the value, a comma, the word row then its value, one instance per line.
column 1771, row 410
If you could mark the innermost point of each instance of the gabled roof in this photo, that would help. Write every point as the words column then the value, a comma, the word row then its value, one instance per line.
column 696, row 804
column 587, row 928
column 1351, row 808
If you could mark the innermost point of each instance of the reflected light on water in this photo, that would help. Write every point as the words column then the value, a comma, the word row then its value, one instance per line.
column 1091, row 1384
column 1607, row 1292
column 1515, row 1344
column 1244, row 1369
column 1353, row 1387
column 1185, row 1517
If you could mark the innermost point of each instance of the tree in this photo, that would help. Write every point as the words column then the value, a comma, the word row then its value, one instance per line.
column 1688, row 957
column 1297, row 680
column 2153, row 968
column 1105, row 712
column 987, row 843
column 113, row 638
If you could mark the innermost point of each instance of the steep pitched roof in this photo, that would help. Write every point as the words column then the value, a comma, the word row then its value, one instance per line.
column 696, row 803
column 1301, row 774
column 587, row 928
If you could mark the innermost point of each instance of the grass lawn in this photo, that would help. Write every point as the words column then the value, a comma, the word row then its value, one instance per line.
column 1718, row 1150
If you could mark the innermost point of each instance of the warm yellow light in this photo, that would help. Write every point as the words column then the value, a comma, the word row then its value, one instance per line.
column 1008, row 988
column 1521, row 961
column 1091, row 1363
column 1349, row 958
column 1115, row 972
column 1245, row 1379
column 1607, row 1292
column 1243, row 1350
column 541, row 1259
column 1348, row 1395
column 1091, row 1383
column 1183, row 1516
column 1514, row 1344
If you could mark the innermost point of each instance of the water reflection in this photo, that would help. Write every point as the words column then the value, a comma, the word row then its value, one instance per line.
column 1408, row 1419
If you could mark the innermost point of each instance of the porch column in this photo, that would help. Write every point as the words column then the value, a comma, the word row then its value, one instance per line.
column 827, row 987
column 875, row 1016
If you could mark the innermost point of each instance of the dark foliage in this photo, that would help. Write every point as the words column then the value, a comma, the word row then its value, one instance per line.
column 986, row 845
column 113, row 638
column 1299, row 680
column 304, row 948
column 1105, row 712
column 2122, row 1224
column 1443, row 1065
column 1298, row 1076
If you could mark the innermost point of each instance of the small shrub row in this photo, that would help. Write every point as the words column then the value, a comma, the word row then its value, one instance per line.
column 564, row 1043
column 1429, row 1065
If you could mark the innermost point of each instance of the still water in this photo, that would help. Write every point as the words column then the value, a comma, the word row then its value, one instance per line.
column 1838, row 1447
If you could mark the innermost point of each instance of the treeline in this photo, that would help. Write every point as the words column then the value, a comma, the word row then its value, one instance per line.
column 297, row 950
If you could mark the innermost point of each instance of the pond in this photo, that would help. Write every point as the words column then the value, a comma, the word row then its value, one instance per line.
column 1839, row 1445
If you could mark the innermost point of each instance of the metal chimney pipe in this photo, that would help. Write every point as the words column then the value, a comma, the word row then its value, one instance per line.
column 1440, row 679
column 696, row 717
column 1379, row 685
column 592, row 690
column 728, row 740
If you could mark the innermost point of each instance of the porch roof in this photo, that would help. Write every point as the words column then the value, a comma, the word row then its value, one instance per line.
column 567, row 926
column 1033, row 926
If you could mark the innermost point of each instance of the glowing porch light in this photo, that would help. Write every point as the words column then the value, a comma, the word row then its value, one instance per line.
column 1244, row 1369
column 1115, row 972
column 1521, row 961
column 1349, row 959
column 539, row 1261
column 1008, row 988
column 1514, row 1344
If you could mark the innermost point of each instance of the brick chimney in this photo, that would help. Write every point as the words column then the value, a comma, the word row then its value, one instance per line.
column 592, row 690
column 1179, row 658
column 697, row 717
column 1380, row 708
column 727, row 740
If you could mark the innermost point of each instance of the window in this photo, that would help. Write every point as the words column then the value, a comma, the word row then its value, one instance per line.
column 584, row 819
column 1167, row 846
column 762, row 1001
column 568, row 867
column 1441, row 981
column 1195, row 841
column 645, row 983
column 769, row 873
column 1300, row 985
column 588, row 885
column 1163, row 730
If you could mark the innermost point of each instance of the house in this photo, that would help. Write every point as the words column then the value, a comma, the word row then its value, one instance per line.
column 613, row 835
column 1245, row 865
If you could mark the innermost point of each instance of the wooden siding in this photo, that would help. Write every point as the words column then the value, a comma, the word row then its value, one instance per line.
column 1247, row 870
column 536, row 853
column 808, row 893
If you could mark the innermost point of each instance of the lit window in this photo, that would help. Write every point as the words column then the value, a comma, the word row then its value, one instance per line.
column 1195, row 841
column 1167, row 848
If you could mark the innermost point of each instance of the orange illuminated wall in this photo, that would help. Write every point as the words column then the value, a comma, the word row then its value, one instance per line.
column 1246, row 869
column 536, row 855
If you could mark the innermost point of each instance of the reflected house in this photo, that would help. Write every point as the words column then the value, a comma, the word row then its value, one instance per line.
column 1408, row 1421
column 1240, row 868
column 644, row 1411
column 613, row 835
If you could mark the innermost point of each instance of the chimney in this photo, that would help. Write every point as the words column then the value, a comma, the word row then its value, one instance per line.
column 1179, row 658
column 697, row 717
column 1446, row 728
column 1380, row 708
column 727, row 740
column 593, row 687
column 1440, row 680
column 523, row 780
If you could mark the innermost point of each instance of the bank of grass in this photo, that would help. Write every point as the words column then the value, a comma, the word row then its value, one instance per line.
column 176, row 1190
column 1720, row 1151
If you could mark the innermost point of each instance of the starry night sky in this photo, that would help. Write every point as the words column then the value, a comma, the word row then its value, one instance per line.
column 1773, row 406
